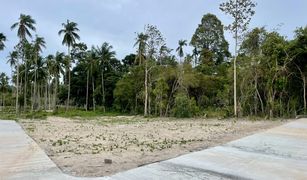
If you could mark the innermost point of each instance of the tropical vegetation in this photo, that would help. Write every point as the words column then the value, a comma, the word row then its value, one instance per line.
column 265, row 77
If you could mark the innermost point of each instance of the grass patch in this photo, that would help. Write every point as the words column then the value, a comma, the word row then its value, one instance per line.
column 80, row 113
column 11, row 115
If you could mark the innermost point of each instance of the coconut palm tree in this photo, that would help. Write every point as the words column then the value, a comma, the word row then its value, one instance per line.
column 2, row 40
column 24, row 25
column 12, row 60
column 56, row 66
column 70, row 36
column 105, row 54
column 92, row 67
column 141, row 42
column 42, row 73
column 38, row 44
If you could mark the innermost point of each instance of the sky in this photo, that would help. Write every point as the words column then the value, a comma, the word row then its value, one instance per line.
column 117, row 21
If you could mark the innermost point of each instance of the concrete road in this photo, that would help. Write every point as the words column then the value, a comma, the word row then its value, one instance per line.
column 279, row 153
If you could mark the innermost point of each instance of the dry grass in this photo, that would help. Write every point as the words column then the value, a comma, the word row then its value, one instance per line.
column 80, row 147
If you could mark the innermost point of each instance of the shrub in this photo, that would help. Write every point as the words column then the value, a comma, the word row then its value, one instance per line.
column 184, row 106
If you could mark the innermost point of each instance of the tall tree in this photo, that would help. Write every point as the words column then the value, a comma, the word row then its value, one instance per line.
column 56, row 65
column 153, row 44
column 251, row 48
column 141, row 43
column 180, row 52
column 2, row 40
column 70, row 36
column 105, row 55
column 179, row 49
column 25, row 24
column 209, row 36
column 298, row 50
column 39, row 43
column 241, row 11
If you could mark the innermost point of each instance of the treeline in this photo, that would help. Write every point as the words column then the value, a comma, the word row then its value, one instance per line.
column 157, row 80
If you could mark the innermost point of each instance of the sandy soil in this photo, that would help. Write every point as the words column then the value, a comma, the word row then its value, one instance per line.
column 80, row 147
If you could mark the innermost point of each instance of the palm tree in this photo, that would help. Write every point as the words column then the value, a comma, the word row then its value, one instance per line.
column 180, row 52
column 39, row 43
column 92, row 63
column 12, row 59
column 195, row 56
column 42, row 73
column 24, row 25
column 55, row 65
column 2, row 39
column 181, row 44
column 70, row 36
column 141, row 42
column 105, row 54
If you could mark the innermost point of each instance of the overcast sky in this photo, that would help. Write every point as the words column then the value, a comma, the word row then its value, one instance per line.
column 116, row 21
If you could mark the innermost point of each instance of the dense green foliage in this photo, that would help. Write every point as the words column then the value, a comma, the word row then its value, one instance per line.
column 155, row 80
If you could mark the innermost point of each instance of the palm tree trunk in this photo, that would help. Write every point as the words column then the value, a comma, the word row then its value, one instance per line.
column 87, row 84
column 68, row 93
column 146, row 90
column 25, row 87
column 32, row 98
column 103, row 90
column 39, row 97
column 46, row 95
column 93, row 85
column 35, row 79
column 49, row 94
column 55, row 93
column 17, row 89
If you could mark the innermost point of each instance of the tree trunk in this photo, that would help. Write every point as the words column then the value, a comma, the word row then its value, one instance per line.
column 49, row 94
column 32, row 98
column 46, row 95
column 87, row 82
column 261, row 102
column 17, row 89
column 146, row 89
column 68, row 93
column 256, row 96
column 174, row 88
column 25, row 87
column 149, row 97
column 55, row 93
column 235, row 76
column 39, row 96
column 93, row 86
column 103, row 90
column 35, row 81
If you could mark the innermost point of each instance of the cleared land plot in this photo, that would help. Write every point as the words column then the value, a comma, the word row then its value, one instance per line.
column 81, row 147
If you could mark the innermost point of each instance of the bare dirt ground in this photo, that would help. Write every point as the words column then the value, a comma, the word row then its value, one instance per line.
column 80, row 147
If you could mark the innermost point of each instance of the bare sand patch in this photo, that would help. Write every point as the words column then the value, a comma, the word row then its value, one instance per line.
column 80, row 147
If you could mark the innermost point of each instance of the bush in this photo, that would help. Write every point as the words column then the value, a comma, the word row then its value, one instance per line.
column 184, row 107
